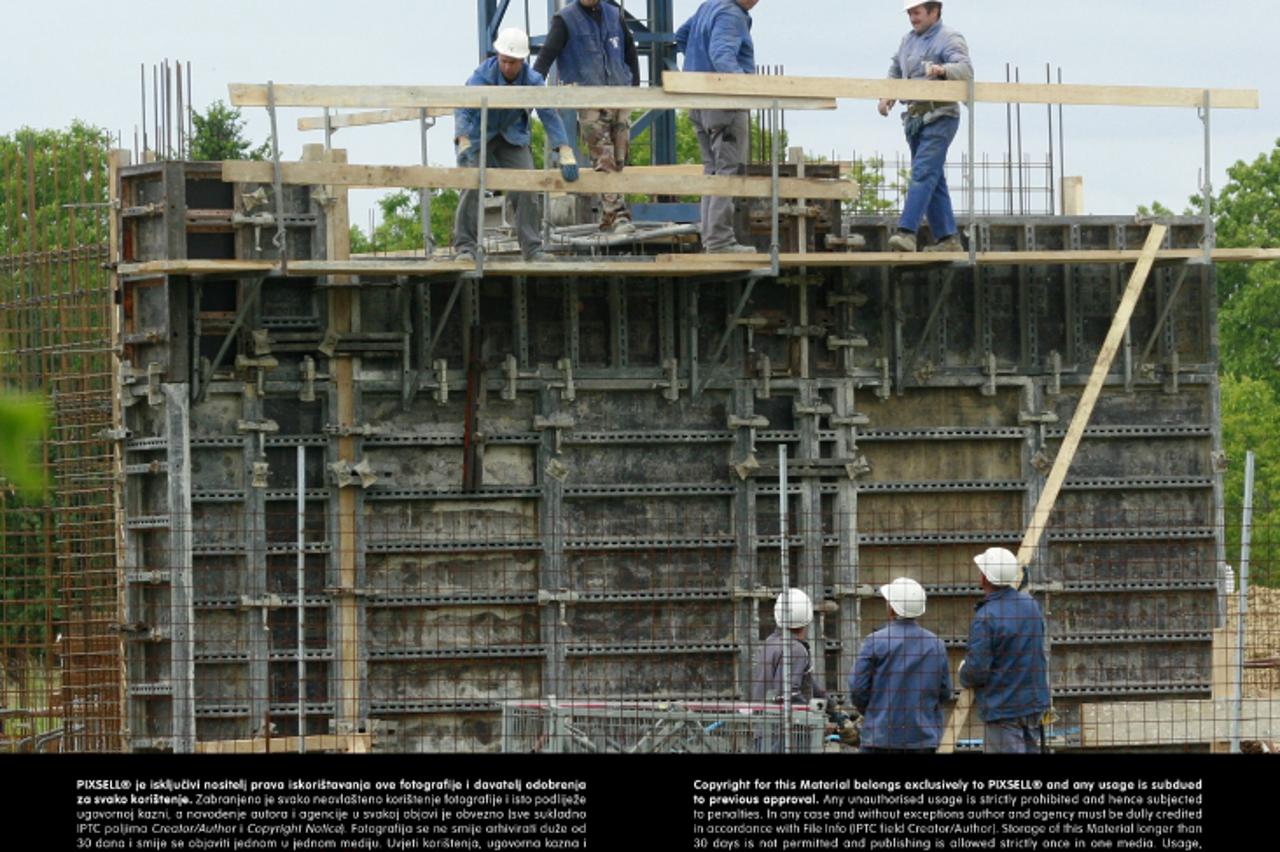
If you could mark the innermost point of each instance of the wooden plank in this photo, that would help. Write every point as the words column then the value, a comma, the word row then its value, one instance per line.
column 669, row 264
column 357, row 743
column 688, row 83
column 1092, row 390
column 1073, row 196
column 522, row 180
column 363, row 119
column 504, row 97
column 1179, row 722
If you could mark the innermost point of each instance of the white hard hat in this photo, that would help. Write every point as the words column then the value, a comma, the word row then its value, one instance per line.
column 513, row 42
column 908, row 5
column 793, row 609
column 999, row 566
column 905, row 596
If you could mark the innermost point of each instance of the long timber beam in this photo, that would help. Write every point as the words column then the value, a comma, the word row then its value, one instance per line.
column 675, row 264
column 505, row 97
column 521, row 180
column 376, row 116
column 690, row 84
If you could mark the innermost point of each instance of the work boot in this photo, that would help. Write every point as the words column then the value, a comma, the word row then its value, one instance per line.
column 951, row 243
column 464, row 254
column 622, row 227
column 731, row 248
column 903, row 241
column 541, row 257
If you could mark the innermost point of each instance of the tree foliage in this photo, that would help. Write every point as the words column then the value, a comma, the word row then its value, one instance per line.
column 400, row 228
column 1247, row 213
column 219, row 135
column 1250, row 410
column 43, row 171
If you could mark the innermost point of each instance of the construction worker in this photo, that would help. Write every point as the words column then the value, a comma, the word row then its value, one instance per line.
column 718, row 39
column 508, row 145
column 901, row 677
column 591, row 46
column 792, row 613
column 1005, row 662
column 930, row 51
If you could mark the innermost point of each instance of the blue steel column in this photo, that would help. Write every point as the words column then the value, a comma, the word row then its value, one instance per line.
column 662, row 23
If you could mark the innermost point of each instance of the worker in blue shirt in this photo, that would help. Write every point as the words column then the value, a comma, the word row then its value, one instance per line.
column 1006, row 662
column 508, row 145
column 589, row 44
column 718, row 39
column 901, row 677
column 930, row 51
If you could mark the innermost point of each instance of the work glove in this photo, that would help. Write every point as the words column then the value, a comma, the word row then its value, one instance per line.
column 465, row 152
column 568, row 164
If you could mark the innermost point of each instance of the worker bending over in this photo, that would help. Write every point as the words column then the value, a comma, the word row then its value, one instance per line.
column 508, row 145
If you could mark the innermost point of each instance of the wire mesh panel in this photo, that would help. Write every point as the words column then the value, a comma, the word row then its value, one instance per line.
column 552, row 727
column 59, row 637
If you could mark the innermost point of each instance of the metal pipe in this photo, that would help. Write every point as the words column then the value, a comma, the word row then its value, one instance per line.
column 1209, row 239
column 424, row 194
column 1053, row 204
column 785, row 570
column 301, row 593
column 973, row 197
column 1062, row 148
column 1246, row 532
column 484, row 160
column 280, row 240
column 773, row 201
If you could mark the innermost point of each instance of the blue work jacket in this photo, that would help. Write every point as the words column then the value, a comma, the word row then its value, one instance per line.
column 1005, row 662
column 596, row 53
column 511, row 124
column 940, row 45
column 898, row 683
column 718, row 38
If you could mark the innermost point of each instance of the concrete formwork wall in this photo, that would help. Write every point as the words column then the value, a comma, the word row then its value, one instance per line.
column 621, row 538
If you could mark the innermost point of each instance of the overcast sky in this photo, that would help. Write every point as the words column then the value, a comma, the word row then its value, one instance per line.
column 67, row 59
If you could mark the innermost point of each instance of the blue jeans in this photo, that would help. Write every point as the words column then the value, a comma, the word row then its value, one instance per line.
column 1012, row 736
column 928, row 195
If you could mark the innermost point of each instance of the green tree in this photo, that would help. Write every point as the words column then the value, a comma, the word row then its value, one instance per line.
column 401, row 225
column 219, row 135
column 1250, row 411
column 1247, row 215
column 41, row 173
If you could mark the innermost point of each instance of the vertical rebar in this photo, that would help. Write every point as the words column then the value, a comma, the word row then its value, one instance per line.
column 484, row 162
column 1053, row 205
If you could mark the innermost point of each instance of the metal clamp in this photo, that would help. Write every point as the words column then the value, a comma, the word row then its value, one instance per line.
column 346, row 474
column 567, row 392
column 671, row 387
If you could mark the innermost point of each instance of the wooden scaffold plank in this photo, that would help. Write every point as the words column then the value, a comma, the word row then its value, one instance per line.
column 760, row 86
column 522, row 180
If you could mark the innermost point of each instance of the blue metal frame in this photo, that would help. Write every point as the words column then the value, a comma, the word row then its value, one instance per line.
column 656, row 41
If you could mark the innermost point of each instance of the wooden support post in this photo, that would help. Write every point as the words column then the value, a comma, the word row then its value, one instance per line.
column 1073, row 196
column 1066, row 452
